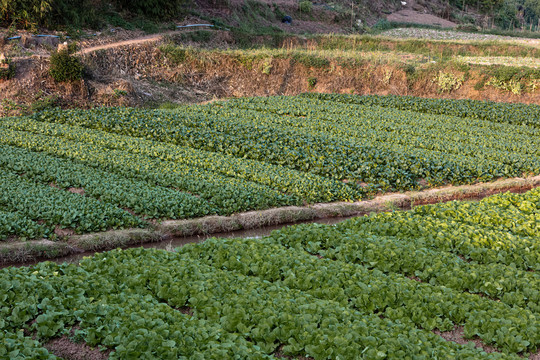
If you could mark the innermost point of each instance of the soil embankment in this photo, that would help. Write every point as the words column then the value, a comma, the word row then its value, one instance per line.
column 141, row 72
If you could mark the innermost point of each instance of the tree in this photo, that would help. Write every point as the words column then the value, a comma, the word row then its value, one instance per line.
column 24, row 13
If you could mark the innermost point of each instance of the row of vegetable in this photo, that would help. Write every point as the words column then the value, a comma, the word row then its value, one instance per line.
column 517, row 113
column 226, row 194
column 376, row 287
column 257, row 153
column 309, row 187
column 384, row 147
column 54, row 207
column 429, row 304
column 139, row 196
column 134, row 302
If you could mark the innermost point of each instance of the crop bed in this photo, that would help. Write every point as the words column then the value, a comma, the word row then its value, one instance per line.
column 386, row 286
column 434, row 34
column 93, row 170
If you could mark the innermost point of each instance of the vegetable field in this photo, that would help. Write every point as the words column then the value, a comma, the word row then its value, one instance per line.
column 109, row 168
column 386, row 286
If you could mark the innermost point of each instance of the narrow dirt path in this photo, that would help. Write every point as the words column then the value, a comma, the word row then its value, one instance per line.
column 136, row 41
column 116, row 44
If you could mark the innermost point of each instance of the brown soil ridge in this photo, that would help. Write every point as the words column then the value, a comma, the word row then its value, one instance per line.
column 21, row 252
column 142, row 74
column 223, row 75
column 416, row 17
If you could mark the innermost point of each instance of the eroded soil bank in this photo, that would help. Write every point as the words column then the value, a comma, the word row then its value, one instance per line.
column 174, row 233
column 151, row 70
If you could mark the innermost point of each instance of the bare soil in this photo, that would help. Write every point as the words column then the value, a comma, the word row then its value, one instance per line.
column 76, row 190
column 65, row 348
column 457, row 335
column 420, row 14
column 280, row 355
column 186, row 310
column 62, row 232
column 416, row 17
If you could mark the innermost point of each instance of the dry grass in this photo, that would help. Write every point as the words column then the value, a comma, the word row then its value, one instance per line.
column 20, row 252
column 114, row 239
column 372, row 57
column 449, row 35
column 501, row 60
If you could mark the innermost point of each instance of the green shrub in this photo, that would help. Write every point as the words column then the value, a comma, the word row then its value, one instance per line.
column 267, row 66
column 118, row 93
column 31, row 14
column 514, row 86
column 199, row 36
column 278, row 12
column 45, row 103
column 24, row 13
column 65, row 67
column 448, row 82
column 157, row 9
column 382, row 24
column 312, row 81
column 311, row 60
column 7, row 69
column 175, row 54
column 467, row 27
column 305, row 6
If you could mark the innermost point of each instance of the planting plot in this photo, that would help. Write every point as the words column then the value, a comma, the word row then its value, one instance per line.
column 124, row 167
column 387, row 286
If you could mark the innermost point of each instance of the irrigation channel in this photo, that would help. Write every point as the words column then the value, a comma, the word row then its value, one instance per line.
column 387, row 202
column 176, row 242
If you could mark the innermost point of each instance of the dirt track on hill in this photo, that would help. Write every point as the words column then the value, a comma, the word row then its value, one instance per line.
column 410, row 14
column 131, row 42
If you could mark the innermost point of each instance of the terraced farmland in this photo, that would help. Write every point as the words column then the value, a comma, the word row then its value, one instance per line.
column 109, row 168
column 390, row 286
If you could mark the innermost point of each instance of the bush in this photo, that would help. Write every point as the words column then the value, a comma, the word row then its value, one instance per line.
column 481, row 83
column 309, row 60
column 198, row 36
column 7, row 69
column 448, row 82
column 382, row 24
column 156, row 9
column 46, row 103
column 468, row 27
column 305, row 6
column 175, row 54
column 32, row 14
column 65, row 67
column 24, row 13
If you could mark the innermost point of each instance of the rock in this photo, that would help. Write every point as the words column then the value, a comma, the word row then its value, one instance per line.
column 50, row 42
column 28, row 41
